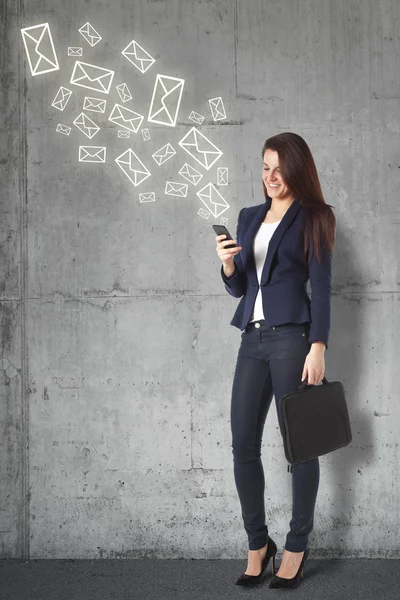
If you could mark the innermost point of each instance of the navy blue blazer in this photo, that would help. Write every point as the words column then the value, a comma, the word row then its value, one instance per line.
column 284, row 276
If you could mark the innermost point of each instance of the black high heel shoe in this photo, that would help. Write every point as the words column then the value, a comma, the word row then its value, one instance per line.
column 245, row 579
column 282, row 582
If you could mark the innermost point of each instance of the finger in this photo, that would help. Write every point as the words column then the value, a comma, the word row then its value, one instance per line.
column 229, row 252
column 311, row 377
column 305, row 371
column 223, row 243
column 227, row 242
column 220, row 237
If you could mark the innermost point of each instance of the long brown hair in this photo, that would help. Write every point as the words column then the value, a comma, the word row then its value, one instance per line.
column 299, row 173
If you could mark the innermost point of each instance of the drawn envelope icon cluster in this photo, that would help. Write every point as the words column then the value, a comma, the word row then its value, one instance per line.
column 163, row 110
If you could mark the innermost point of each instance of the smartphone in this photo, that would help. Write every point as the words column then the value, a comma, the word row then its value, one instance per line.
column 221, row 230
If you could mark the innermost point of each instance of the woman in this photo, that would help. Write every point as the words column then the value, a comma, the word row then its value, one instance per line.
column 282, row 243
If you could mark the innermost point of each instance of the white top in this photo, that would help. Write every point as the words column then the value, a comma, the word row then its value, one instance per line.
column 260, row 248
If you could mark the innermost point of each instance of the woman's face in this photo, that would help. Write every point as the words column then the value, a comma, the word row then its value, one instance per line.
column 272, row 178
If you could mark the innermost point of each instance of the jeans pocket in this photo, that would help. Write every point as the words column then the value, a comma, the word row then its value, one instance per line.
column 293, row 329
column 249, row 336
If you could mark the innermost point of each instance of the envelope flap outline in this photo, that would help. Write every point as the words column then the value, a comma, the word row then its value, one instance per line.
column 39, row 35
column 166, row 99
column 125, row 117
column 92, row 150
column 165, row 150
column 128, row 163
column 204, row 145
column 140, row 52
column 85, row 72
column 131, row 158
column 94, row 102
column 129, row 114
column 136, row 51
column 212, row 195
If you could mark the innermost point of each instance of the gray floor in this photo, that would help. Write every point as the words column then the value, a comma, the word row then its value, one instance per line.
column 338, row 579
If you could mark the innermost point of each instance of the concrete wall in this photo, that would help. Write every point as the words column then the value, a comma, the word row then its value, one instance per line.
column 117, row 353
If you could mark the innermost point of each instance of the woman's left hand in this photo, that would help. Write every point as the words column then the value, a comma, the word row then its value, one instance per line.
column 314, row 366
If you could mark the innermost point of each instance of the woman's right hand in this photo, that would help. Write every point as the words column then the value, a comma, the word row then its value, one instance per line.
column 226, row 254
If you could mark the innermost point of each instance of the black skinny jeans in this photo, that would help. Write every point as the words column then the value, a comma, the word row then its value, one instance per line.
column 270, row 362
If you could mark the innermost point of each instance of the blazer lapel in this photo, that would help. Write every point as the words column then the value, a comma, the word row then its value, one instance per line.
column 276, row 238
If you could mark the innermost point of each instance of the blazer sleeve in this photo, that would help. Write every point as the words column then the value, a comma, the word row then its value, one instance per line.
column 321, row 290
column 236, row 283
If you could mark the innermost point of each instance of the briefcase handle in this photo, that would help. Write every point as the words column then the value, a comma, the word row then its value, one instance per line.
column 304, row 384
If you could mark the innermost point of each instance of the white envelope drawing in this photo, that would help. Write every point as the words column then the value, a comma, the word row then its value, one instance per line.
column 138, row 56
column 217, row 109
column 75, row 51
column 196, row 117
column 61, row 99
column 90, row 34
column 94, row 104
column 86, row 125
column 124, row 92
column 94, row 154
column 40, row 49
column 133, row 167
column 124, row 134
column 200, row 148
column 164, row 154
column 191, row 174
column 147, row 197
column 126, row 118
column 63, row 129
column 213, row 200
column 174, row 188
column 145, row 134
column 166, row 100
column 203, row 213
column 222, row 176
column 223, row 221
column 92, row 77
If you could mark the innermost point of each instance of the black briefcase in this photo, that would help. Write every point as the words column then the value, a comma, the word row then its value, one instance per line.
column 315, row 420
